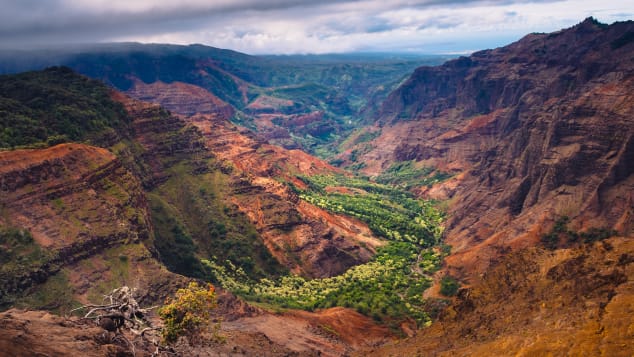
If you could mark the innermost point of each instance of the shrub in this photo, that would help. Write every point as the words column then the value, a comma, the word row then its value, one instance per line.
column 560, row 235
column 56, row 105
column 449, row 286
column 595, row 234
column 188, row 314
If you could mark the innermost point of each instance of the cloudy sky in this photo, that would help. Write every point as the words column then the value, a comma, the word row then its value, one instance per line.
column 298, row 26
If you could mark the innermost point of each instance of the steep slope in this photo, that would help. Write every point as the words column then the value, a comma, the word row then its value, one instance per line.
column 536, row 130
column 79, row 220
column 181, row 98
column 218, row 194
column 58, row 247
column 248, row 177
column 56, row 105
column 538, row 137
column 535, row 302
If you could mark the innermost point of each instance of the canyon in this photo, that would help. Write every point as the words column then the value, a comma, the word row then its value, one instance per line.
column 527, row 149
column 533, row 131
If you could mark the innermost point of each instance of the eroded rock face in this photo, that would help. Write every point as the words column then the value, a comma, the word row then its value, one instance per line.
column 181, row 98
column 534, row 130
column 61, row 196
column 31, row 333
column 304, row 238
column 78, row 182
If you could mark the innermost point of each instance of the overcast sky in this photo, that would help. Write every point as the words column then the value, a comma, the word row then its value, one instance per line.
column 298, row 26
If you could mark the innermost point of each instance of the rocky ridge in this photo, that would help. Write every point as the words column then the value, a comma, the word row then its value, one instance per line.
column 537, row 135
column 62, row 194
column 182, row 98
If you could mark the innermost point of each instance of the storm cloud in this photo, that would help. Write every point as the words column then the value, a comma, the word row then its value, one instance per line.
column 296, row 26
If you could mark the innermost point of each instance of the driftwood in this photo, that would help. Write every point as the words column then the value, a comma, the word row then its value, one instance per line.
column 121, row 314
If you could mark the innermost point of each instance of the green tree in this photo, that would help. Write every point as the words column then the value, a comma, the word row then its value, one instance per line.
column 449, row 286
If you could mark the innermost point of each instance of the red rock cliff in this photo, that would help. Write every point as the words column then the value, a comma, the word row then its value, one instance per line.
column 534, row 130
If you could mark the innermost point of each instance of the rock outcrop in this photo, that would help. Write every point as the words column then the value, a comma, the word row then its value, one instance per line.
column 181, row 98
column 307, row 239
column 534, row 131
column 40, row 333
column 71, row 180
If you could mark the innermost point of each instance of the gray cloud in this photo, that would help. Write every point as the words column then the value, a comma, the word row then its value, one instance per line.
column 442, row 22
column 287, row 26
column 32, row 20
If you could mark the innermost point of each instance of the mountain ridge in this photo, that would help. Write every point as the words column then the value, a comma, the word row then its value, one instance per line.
column 536, row 135
column 340, row 91
column 523, row 145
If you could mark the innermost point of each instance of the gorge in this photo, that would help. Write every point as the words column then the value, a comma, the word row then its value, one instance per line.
column 480, row 205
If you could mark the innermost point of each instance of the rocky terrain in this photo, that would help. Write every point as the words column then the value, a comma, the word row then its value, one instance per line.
column 537, row 302
column 538, row 138
column 527, row 147
column 334, row 332
column 302, row 237
column 181, row 98
column 161, row 181
column 532, row 131
column 58, row 198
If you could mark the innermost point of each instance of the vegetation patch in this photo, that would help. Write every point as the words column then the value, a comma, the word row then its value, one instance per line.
column 560, row 236
column 389, row 212
column 193, row 221
column 406, row 175
column 449, row 286
column 54, row 295
column 53, row 106
column 188, row 315
column 175, row 246
column 389, row 288
column 19, row 252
